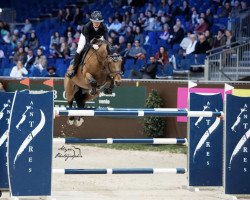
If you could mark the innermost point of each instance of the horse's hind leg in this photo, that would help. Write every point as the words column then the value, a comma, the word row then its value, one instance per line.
column 71, row 119
column 69, row 90
column 79, row 96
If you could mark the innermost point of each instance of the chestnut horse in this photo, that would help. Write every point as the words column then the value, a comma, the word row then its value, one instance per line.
column 99, row 72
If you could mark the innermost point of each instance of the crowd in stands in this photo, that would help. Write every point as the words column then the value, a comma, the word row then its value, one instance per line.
column 148, row 36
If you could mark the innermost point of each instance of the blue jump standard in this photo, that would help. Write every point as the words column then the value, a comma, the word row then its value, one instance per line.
column 160, row 112
column 122, row 171
column 121, row 140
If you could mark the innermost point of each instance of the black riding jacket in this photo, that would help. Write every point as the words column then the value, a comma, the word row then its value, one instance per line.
column 90, row 33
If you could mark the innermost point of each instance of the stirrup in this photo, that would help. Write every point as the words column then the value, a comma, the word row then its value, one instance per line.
column 70, row 74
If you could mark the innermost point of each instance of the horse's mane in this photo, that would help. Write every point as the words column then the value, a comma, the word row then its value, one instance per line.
column 100, row 41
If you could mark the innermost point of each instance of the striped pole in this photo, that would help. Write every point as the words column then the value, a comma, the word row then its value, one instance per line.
column 160, row 112
column 120, row 141
column 122, row 171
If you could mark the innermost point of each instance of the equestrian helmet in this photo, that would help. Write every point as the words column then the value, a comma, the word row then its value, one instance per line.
column 96, row 16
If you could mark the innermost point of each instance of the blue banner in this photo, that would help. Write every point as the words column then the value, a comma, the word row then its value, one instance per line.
column 5, row 108
column 237, row 163
column 205, row 142
column 30, row 144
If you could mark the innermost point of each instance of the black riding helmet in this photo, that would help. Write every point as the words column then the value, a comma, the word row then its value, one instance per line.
column 96, row 16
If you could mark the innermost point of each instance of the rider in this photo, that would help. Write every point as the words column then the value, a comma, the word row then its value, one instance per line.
column 93, row 29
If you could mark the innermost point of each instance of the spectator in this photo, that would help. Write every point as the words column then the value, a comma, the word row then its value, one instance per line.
column 163, row 5
column 18, row 71
column 33, row 41
column 194, row 17
column 109, row 22
column 185, row 43
column 243, row 4
column 170, row 8
column 184, row 10
column 126, row 17
column 209, row 18
column 70, row 38
column 29, row 59
column 201, row 27
column 191, row 47
column 151, row 7
column 209, row 38
column 236, row 6
column 225, row 11
column 133, row 16
column 123, row 28
column 2, row 87
column 72, row 49
column 118, row 16
column 78, row 17
column 61, row 15
column 202, row 46
column 64, row 50
column 141, row 19
column 7, row 37
column 146, row 72
column 129, row 36
column 150, row 22
column 162, row 56
column 51, row 72
column 116, row 25
column 149, row 71
column 125, row 52
column 157, row 25
column 177, row 35
column 137, row 52
column 14, row 41
column 121, row 46
column 68, row 16
column 138, row 35
column 55, row 39
column 41, row 60
column 1, row 54
column 19, row 55
column 165, row 35
column 27, row 27
column 24, row 40
column 77, row 37
column 229, row 39
column 219, row 39
column 54, row 52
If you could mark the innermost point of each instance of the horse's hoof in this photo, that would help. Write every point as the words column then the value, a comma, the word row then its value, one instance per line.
column 79, row 122
column 70, row 122
column 108, row 91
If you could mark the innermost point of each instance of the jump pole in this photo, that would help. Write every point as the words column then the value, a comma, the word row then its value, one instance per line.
column 121, row 171
column 120, row 141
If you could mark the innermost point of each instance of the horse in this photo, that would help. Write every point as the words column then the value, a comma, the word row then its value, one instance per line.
column 98, row 72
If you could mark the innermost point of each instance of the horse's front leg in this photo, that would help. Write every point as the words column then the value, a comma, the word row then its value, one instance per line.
column 93, row 84
column 109, row 90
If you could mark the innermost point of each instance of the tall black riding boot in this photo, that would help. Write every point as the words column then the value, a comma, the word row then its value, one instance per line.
column 77, row 60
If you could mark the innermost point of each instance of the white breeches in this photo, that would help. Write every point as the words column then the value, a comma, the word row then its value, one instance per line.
column 81, row 44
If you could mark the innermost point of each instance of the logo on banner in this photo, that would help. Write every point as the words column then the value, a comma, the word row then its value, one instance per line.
column 204, row 139
column 6, row 107
column 201, row 118
column 240, row 122
column 34, row 127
